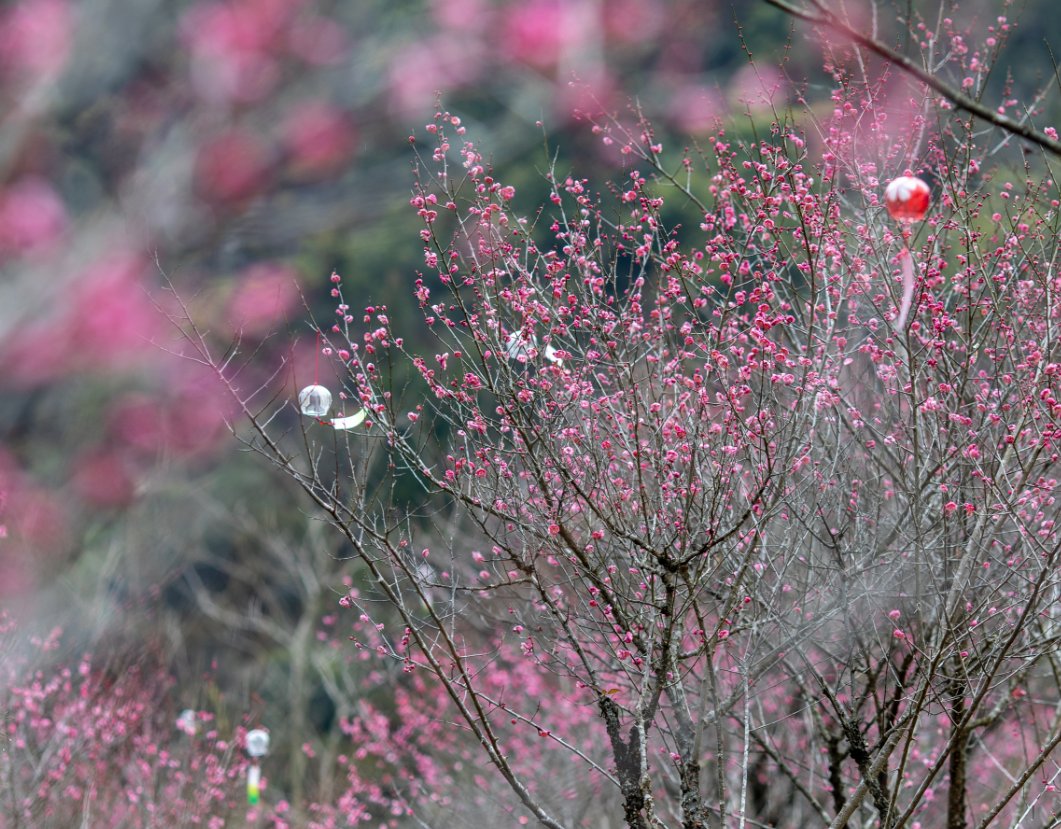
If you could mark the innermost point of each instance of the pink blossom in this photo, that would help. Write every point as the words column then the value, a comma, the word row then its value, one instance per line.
column 36, row 36
column 32, row 217
column 319, row 138
column 264, row 295
column 104, row 479
column 231, row 167
column 696, row 108
column 539, row 32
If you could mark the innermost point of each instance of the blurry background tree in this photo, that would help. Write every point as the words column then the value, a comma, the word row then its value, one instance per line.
column 249, row 147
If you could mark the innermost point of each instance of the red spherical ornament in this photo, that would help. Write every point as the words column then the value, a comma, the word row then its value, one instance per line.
column 907, row 199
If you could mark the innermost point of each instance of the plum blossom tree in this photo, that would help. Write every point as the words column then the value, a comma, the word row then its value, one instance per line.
column 94, row 740
column 965, row 95
column 99, row 739
column 694, row 513
column 798, row 559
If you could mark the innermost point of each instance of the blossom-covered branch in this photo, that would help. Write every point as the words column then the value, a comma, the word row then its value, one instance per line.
column 818, row 14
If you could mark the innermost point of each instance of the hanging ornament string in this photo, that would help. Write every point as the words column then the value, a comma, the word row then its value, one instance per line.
column 907, row 200
column 317, row 360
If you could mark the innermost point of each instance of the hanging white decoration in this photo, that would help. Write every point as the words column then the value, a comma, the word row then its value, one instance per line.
column 186, row 722
column 350, row 422
column 518, row 347
column 314, row 401
column 257, row 742
column 254, row 785
column 522, row 348
column 257, row 747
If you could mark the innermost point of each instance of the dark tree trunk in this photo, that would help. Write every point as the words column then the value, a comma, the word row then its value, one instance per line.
column 627, row 756
column 958, row 755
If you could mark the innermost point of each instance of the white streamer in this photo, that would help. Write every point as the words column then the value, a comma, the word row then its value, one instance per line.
column 908, row 287
column 342, row 423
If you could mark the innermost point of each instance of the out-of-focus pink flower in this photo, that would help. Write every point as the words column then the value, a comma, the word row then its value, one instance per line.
column 420, row 71
column 15, row 576
column 632, row 21
column 265, row 294
column 198, row 416
column 188, row 418
column 233, row 46
column 695, row 108
column 138, row 421
column 231, row 167
column 102, row 478
column 317, row 41
column 539, row 32
column 462, row 16
column 35, row 37
column 32, row 216
column 111, row 320
column 243, row 78
column 319, row 138
column 105, row 322
column 228, row 27
column 33, row 355
column 757, row 87
column 33, row 517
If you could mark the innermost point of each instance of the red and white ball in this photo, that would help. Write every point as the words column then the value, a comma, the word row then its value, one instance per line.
column 907, row 199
